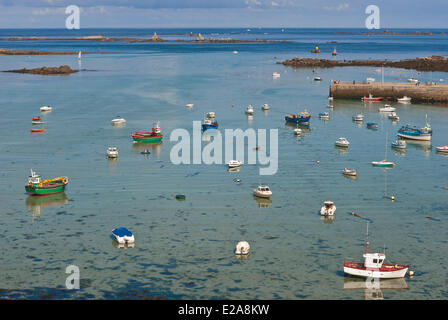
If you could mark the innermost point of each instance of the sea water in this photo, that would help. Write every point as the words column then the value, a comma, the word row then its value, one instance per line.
column 185, row 249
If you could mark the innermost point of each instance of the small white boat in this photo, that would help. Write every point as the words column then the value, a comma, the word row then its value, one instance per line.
column 358, row 117
column 235, row 52
column 387, row 108
column 324, row 116
column 189, row 105
column 275, row 75
column 330, row 98
column 342, row 142
column 317, row 79
column 265, row 107
column 330, row 106
column 250, row 109
column 368, row 80
column 242, row 248
column 45, row 108
column 297, row 131
column 263, row 192
column 405, row 99
column 234, row 163
column 112, row 152
column 123, row 235
column 328, row 209
column 118, row 120
column 349, row 172
column 399, row 144
column 394, row 116
column 412, row 80
column 442, row 149
column 210, row 115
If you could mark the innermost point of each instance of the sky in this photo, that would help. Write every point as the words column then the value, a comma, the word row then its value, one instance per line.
column 223, row 13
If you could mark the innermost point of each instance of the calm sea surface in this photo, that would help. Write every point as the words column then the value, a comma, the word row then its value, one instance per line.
column 184, row 249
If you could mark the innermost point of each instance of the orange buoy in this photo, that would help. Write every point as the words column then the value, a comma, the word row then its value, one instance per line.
column 37, row 130
column 444, row 188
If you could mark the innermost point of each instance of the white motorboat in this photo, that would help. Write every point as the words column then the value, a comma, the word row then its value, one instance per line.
column 275, row 75
column 442, row 149
column 45, row 108
column 374, row 266
column 210, row 115
column 328, row 209
column 297, row 131
column 263, row 192
column 189, row 105
column 112, row 152
column 412, row 80
column 387, row 108
column 317, row 79
column 405, row 99
column 358, row 117
column 349, row 172
column 324, row 116
column 399, row 144
column 234, row 163
column 118, row 120
column 123, row 235
column 250, row 109
column 265, row 107
column 342, row 142
column 394, row 116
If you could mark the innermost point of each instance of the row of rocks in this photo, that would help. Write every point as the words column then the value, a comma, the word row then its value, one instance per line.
column 62, row 70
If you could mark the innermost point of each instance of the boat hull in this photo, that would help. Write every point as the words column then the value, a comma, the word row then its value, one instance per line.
column 414, row 137
column 43, row 191
column 383, row 164
column 147, row 139
column 298, row 120
column 209, row 126
column 385, row 272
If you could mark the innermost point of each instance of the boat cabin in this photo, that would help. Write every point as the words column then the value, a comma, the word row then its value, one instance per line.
column 263, row 188
column 34, row 178
column 374, row 260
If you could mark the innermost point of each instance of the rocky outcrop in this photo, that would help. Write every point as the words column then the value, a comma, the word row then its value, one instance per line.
column 62, row 70
column 434, row 63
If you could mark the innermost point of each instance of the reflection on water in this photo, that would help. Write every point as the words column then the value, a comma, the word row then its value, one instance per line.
column 341, row 150
column 35, row 204
column 328, row 219
column 373, row 287
column 237, row 169
column 116, row 244
column 154, row 148
column 263, row 202
column 242, row 257
column 423, row 146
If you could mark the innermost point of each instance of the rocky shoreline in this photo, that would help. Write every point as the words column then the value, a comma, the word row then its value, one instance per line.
column 154, row 38
column 62, row 70
column 433, row 63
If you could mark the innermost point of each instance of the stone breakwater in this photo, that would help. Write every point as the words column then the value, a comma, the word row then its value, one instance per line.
column 62, row 70
column 390, row 91
column 433, row 63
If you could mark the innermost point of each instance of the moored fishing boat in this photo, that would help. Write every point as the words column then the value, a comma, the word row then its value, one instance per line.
column 149, row 137
column 358, row 118
column 118, row 120
column 371, row 98
column 302, row 117
column 399, row 144
column 317, row 78
column 342, row 142
column 374, row 266
column 372, row 125
column 415, row 133
column 112, row 152
column 37, row 186
column 263, row 191
column 387, row 108
column 393, row 116
column 209, row 124
column 405, row 99
column 328, row 209
column 442, row 149
column 349, row 172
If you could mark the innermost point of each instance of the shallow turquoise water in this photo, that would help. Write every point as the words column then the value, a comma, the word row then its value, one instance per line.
column 184, row 249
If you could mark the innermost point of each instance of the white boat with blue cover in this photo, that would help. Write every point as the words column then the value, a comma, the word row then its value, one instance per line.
column 399, row 144
column 123, row 235
column 324, row 115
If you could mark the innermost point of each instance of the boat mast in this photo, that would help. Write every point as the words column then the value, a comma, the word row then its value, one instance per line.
column 367, row 238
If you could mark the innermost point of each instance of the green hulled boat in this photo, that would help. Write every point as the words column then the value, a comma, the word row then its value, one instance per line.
column 38, row 187
column 149, row 137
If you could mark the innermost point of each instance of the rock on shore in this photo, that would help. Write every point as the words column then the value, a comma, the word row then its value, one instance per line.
column 62, row 70
column 434, row 63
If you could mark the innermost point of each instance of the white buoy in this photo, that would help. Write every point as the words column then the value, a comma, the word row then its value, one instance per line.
column 411, row 273
column 242, row 247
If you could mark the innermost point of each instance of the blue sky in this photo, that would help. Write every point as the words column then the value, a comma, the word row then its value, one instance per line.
column 223, row 13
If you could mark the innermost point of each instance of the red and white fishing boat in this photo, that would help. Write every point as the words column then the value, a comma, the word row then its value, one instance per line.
column 374, row 266
column 371, row 98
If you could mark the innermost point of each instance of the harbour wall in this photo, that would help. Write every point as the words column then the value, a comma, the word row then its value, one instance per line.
column 390, row 91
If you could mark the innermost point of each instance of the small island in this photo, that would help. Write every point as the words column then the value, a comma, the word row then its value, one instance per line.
column 433, row 63
column 62, row 70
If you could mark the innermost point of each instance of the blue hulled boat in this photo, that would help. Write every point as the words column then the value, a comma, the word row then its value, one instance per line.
column 209, row 124
column 372, row 125
column 300, row 118
column 415, row 133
